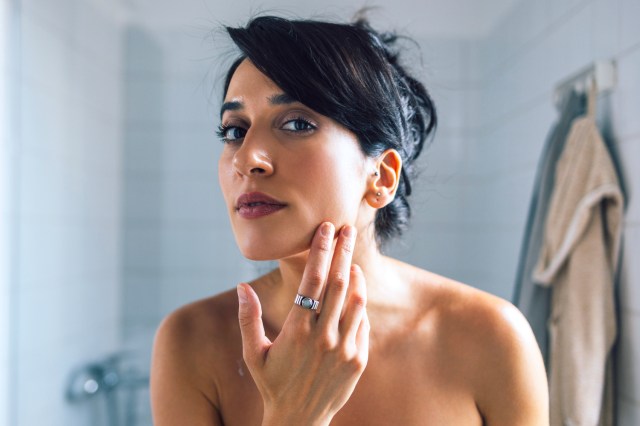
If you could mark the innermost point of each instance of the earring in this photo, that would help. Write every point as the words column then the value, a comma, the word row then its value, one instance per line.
column 377, row 173
column 378, row 194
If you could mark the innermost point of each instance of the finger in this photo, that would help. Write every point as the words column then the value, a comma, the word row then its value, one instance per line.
column 254, row 341
column 362, row 338
column 338, row 278
column 315, row 271
column 355, row 306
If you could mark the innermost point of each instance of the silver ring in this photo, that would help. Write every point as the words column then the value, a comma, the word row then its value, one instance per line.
column 306, row 302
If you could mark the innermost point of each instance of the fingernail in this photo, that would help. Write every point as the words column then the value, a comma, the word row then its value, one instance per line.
column 242, row 294
column 347, row 231
column 326, row 229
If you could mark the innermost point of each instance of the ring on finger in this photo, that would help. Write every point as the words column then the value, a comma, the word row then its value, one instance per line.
column 306, row 302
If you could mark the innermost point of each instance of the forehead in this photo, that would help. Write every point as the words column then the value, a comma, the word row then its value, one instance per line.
column 249, row 82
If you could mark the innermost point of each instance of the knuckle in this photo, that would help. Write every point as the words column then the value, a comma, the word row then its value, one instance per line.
column 300, row 329
column 339, row 281
column 346, row 356
column 367, row 326
column 358, row 300
column 316, row 279
column 326, row 342
column 359, row 363
column 323, row 245
column 245, row 321
column 347, row 247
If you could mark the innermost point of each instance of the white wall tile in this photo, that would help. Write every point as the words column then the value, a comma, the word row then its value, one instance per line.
column 626, row 96
column 444, row 61
column 46, row 56
column 193, row 199
column 559, row 10
column 142, row 295
column 59, row 16
column 629, row 152
column 142, row 247
column 628, row 27
column 605, row 17
column 510, row 198
column 146, row 99
column 96, row 33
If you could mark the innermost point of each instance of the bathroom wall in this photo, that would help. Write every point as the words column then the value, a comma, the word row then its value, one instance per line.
column 437, row 235
column 532, row 49
column 67, row 299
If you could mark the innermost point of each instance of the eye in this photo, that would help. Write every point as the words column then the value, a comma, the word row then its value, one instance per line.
column 230, row 133
column 299, row 124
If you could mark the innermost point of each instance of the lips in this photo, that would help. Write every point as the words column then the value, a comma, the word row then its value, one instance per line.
column 256, row 204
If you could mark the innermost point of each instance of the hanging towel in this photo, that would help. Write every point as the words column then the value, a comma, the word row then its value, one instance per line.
column 578, row 261
column 533, row 300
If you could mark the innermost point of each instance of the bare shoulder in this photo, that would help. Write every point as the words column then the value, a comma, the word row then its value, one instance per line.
column 493, row 347
column 187, row 345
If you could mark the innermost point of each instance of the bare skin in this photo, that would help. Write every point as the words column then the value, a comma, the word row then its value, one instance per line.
column 391, row 343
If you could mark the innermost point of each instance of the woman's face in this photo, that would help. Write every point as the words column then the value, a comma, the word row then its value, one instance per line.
column 311, row 168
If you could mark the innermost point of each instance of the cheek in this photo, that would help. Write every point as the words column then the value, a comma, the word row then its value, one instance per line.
column 333, row 185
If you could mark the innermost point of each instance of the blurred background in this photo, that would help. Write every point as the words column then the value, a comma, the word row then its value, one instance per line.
column 110, row 211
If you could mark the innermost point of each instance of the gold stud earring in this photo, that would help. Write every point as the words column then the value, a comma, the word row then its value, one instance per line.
column 378, row 194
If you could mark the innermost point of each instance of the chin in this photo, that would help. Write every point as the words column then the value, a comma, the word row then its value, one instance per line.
column 254, row 253
column 273, row 247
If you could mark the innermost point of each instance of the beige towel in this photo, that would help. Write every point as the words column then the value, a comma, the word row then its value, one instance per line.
column 578, row 260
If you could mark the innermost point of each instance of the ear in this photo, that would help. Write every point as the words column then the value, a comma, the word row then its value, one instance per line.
column 382, row 187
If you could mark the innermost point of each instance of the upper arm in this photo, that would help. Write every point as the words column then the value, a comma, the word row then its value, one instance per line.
column 512, row 388
column 177, row 382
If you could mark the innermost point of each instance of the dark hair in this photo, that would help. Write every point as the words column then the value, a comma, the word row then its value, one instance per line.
column 350, row 73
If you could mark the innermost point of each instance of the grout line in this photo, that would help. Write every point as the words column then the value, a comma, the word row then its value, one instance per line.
column 528, row 45
column 492, row 126
column 628, row 51
column 489, row 128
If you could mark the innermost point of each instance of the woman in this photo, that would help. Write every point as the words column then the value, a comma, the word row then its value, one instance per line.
column 321, row 127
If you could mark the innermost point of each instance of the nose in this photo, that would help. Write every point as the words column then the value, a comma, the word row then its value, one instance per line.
column 252, row 158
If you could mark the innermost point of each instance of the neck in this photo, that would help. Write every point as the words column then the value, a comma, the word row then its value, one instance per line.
column 384, row 286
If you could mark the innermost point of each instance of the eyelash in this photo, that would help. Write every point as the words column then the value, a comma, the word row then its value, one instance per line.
column 224, row 128
column 222, row 131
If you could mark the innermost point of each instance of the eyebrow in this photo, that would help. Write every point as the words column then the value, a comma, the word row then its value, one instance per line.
column 278, row 99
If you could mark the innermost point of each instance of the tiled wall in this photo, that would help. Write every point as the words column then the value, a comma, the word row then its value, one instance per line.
column 68, row 296
column 437, row 234
column 514, row 72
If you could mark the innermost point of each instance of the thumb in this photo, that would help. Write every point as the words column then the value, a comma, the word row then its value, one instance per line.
column 254, row 340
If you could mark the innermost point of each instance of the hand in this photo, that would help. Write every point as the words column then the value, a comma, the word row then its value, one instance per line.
column 311, row 369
